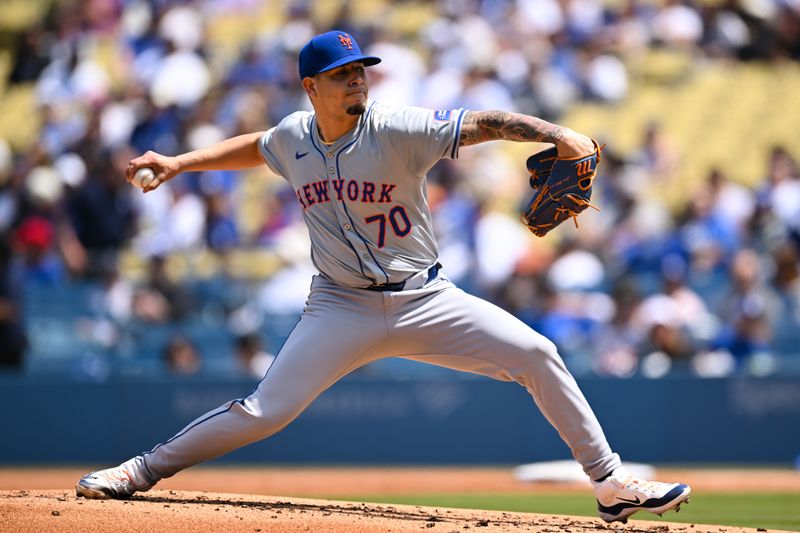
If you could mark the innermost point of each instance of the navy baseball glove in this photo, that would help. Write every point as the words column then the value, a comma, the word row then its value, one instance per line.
column 562, row 188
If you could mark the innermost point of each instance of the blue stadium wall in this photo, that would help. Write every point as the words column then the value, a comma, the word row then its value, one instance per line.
column 360, row 421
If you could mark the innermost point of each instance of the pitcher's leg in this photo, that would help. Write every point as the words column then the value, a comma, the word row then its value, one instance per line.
column 234, row 424
column 328, row 342
column 466, row 333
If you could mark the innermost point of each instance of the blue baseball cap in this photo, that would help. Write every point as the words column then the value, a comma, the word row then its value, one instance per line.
column 330, row 50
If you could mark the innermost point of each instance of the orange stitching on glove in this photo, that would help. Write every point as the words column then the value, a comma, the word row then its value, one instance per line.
column 539, row 198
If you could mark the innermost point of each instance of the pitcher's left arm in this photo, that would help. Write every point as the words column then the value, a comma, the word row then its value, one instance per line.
column 482, row 126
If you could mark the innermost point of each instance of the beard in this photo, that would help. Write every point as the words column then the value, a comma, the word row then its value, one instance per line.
column 356, row 109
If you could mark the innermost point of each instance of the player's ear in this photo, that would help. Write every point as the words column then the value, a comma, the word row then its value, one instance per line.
column 309, row 84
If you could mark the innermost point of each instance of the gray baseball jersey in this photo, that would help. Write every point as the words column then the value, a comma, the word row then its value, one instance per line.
column 363, row 199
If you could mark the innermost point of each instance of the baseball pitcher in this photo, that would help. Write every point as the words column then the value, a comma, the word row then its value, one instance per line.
column 358, row 169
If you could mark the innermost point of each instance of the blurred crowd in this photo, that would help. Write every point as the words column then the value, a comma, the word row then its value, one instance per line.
column 712, row 288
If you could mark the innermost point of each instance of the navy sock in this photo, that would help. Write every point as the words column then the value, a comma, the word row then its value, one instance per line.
column 600, row 480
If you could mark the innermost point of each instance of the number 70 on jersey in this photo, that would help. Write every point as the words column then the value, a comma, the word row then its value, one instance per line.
column 398, row 220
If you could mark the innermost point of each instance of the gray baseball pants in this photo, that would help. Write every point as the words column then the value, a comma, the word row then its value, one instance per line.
column 344, row 328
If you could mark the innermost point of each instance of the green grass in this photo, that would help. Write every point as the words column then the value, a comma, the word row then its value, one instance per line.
column 777, row 510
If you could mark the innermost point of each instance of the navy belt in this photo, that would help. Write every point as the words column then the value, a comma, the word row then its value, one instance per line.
column 391, row 287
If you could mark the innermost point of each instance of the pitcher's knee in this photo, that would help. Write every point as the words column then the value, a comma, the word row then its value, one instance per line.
column 543, row 353
column 541, row 348
column 268, row 418
column 550, row 350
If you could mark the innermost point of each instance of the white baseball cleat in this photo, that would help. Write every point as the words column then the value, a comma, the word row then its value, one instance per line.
column 118, row 483
column 621, row 495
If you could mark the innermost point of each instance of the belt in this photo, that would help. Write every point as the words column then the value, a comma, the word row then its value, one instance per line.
column 400, row 285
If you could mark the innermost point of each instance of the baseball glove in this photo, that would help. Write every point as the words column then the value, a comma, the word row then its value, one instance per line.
column 562, row 188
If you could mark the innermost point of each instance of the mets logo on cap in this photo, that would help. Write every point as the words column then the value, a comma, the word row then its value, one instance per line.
column 346, row 41
column 329, row 50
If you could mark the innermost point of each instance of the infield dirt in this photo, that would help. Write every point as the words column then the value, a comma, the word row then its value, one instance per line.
column 58, row 510
column 43, row 500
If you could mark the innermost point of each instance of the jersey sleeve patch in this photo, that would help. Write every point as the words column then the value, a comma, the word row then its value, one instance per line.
column 443, row 114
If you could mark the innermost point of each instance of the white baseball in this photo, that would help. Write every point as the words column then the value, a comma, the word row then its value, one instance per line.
column 143, row 177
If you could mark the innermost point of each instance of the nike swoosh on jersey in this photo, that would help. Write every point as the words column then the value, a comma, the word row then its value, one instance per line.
column 298, row 155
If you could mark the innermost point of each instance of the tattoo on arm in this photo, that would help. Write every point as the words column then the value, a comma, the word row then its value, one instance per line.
column 482, row 126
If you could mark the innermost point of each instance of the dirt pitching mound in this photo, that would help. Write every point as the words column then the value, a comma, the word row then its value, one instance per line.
column 169, row 510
